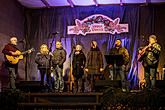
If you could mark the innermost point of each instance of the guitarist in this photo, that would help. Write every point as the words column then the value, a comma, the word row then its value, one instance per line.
column 11, row 50
column 150, row 58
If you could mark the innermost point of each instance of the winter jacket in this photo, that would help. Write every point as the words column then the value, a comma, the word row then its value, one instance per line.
column 43, row 61
column 59, row 57
column 78, row 63
column 121, row 51
column 151, row 56
column 94, row 59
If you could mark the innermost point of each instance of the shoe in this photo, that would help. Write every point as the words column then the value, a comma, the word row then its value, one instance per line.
column 50, row 90
column 124, row 90
column 149, row 89
column 42, row 90
column 60, row 91
column 55, row 91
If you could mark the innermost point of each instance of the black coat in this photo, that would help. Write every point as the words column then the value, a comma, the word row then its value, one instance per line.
column 43, row 61
column 78, row 63
column 94, row 60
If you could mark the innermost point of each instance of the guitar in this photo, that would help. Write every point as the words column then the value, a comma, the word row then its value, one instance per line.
column 141, row 53
column 15, row 59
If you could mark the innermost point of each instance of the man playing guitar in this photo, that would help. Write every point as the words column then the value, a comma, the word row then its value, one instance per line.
column 11, row 50
column 150, row 58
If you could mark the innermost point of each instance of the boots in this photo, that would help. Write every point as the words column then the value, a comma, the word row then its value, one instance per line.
column 87, row 86
column 75, row 89
column 80, row 85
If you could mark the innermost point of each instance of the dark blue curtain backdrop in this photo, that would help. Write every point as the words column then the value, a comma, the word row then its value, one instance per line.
column 42, row 22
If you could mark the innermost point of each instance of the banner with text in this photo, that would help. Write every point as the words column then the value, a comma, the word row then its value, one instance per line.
column 97, row 23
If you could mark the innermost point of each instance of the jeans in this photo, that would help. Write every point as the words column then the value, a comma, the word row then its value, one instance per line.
column 78, row 85
column 150, row 77
column 118, row 73
column 46, row 71
column 12, row 77
column 58, row 79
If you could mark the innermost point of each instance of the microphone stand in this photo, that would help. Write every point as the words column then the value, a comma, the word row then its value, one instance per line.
column 137, row 55
column 25, row 59
column 50, row 49
column 70, row 76
column 53, row 35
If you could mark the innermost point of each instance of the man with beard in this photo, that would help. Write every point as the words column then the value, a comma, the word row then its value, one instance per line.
column 120, row 69
column 150, row 59
column 12, row 56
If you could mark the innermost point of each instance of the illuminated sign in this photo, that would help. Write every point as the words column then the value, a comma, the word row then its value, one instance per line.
column 97, row 24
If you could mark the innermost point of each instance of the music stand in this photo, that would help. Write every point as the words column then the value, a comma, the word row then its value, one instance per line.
column 115, row 61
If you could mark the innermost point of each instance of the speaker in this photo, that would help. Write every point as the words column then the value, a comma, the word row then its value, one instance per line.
column 160, row 84
column 29, row 86
column 100, row 85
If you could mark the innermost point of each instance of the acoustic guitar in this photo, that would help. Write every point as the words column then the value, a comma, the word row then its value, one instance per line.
column 15, row 59
column 141, row 54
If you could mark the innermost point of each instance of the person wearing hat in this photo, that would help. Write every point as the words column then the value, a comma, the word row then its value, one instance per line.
column 93, row 67
column 149, row 56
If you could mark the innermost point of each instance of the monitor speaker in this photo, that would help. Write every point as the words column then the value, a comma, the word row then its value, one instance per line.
column 160, row 84
column 29, row 86
column 101, row 85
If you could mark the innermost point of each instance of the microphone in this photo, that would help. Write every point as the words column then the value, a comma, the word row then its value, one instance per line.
column 143, row 38
column 21, row 41
column 55, row 33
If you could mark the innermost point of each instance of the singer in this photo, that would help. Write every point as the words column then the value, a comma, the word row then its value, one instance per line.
column 12, row 55
column 43, row 60
column 149, row 56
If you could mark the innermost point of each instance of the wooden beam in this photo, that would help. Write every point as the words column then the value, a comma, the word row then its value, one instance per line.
column 71, row 3
column 46, row 3
column 148, row 2
column 96, row 3
column 121, row 2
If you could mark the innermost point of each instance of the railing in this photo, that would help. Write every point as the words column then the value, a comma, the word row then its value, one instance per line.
column 52, row 101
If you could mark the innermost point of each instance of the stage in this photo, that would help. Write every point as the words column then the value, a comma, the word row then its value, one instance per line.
column 110, row 99
column 61, row 101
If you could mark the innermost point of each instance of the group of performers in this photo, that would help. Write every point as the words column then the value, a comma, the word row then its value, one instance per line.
column 51, row 63
column 85, row 68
